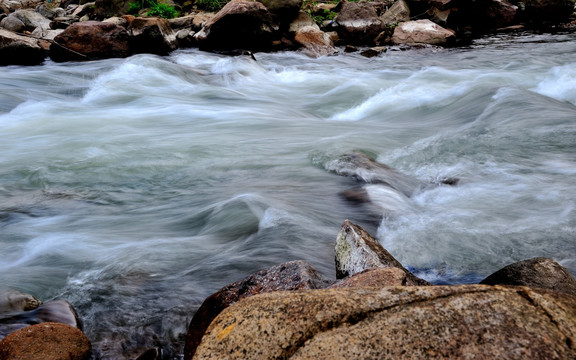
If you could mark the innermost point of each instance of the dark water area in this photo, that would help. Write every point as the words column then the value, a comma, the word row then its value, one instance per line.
column 134, row 188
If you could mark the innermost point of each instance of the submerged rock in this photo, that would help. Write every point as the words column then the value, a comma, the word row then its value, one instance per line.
column 442, row 322
column 538, row 272
column 13, row 301
column 59, row 311
column 47, row 341
column 294, row 275
column 357, row 251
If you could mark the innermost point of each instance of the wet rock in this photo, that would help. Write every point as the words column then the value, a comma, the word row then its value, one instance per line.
column 19, row 50
column 152, row 35
column 13, row 301
column 107, row 8
column 358, row 23
column 378, row 277
column 294, row 275
column 120, row 21
column 365, row 169
column 315, row 42
column 47, row 341
column 90, row 40
column 442, row 322
column 538, row 272
column 373, row 51
column 422, row 32
column 239, row 25
column 357, row 251
column 59, row 311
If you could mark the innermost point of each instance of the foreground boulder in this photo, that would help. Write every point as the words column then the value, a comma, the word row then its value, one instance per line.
column 422, row 32
column 90, row 40
column 240, row 24
column 538, row 272
column 19, row 50
column 442, row 322
column 47, row 341
column 294, row 275
column 356, row 251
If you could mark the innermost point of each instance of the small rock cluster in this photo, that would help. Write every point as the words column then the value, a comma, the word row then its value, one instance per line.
column 30, row 31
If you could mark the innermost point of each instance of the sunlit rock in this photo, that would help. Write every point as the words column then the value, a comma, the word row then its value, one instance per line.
column 49, row 341
column 420, row 322
column 357, row 251
column 294, row 275
column 314, row 41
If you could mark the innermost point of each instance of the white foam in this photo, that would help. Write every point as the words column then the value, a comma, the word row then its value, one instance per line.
column 560, row 83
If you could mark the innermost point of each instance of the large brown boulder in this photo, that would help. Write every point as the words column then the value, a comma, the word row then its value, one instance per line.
column 90, row 40
column 241, row 24
column 538, row 272
column 19, row 50
column 358, row 23
column 152, row 35
column 499, row 13
column 422, row 32
column 356, row 251
column 294, row 275
column 46, row 341
column 431, row 322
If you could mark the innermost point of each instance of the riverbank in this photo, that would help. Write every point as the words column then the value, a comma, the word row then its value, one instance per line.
column 32, row 30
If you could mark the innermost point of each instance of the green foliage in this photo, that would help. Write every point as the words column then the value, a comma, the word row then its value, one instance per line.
column 317, row 14
column 210, row 5
column 156, row 9
column 162, row 10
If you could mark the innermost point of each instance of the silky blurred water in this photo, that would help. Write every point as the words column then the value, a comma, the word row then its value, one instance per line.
column 136, row 187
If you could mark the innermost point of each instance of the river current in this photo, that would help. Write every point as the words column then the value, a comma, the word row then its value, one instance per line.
column 134, row 188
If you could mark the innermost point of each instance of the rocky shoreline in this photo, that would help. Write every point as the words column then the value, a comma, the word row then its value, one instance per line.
column 375, row 309
column 31, row 31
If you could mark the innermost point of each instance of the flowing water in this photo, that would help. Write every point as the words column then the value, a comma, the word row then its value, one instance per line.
column 136, row 187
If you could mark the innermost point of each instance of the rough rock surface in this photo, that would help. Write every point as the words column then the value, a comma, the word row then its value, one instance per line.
column 90, row 40
column 19, row 50
column 379, row 277
column 440, row 322
column 46, row 341
column 12, row 301
column 358, row 23
column 25, row 20
column 421, row 32
column 284, row 10
column 152, row 35
column 357, row 251
column 539, row 12
column 240, row 24
column 294, row 275
column 399, row 12
column 538, row 272
column 315, row 41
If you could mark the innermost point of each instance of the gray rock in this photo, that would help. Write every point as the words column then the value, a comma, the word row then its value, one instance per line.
column 538, row 272
column 399, row 12
column 30, row 19
column 422, row 32
column 430, row 322
column 294, row 275
column 357, row 251
column 13, row 301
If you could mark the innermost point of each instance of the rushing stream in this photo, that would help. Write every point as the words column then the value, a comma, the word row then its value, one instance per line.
column 134, row 188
